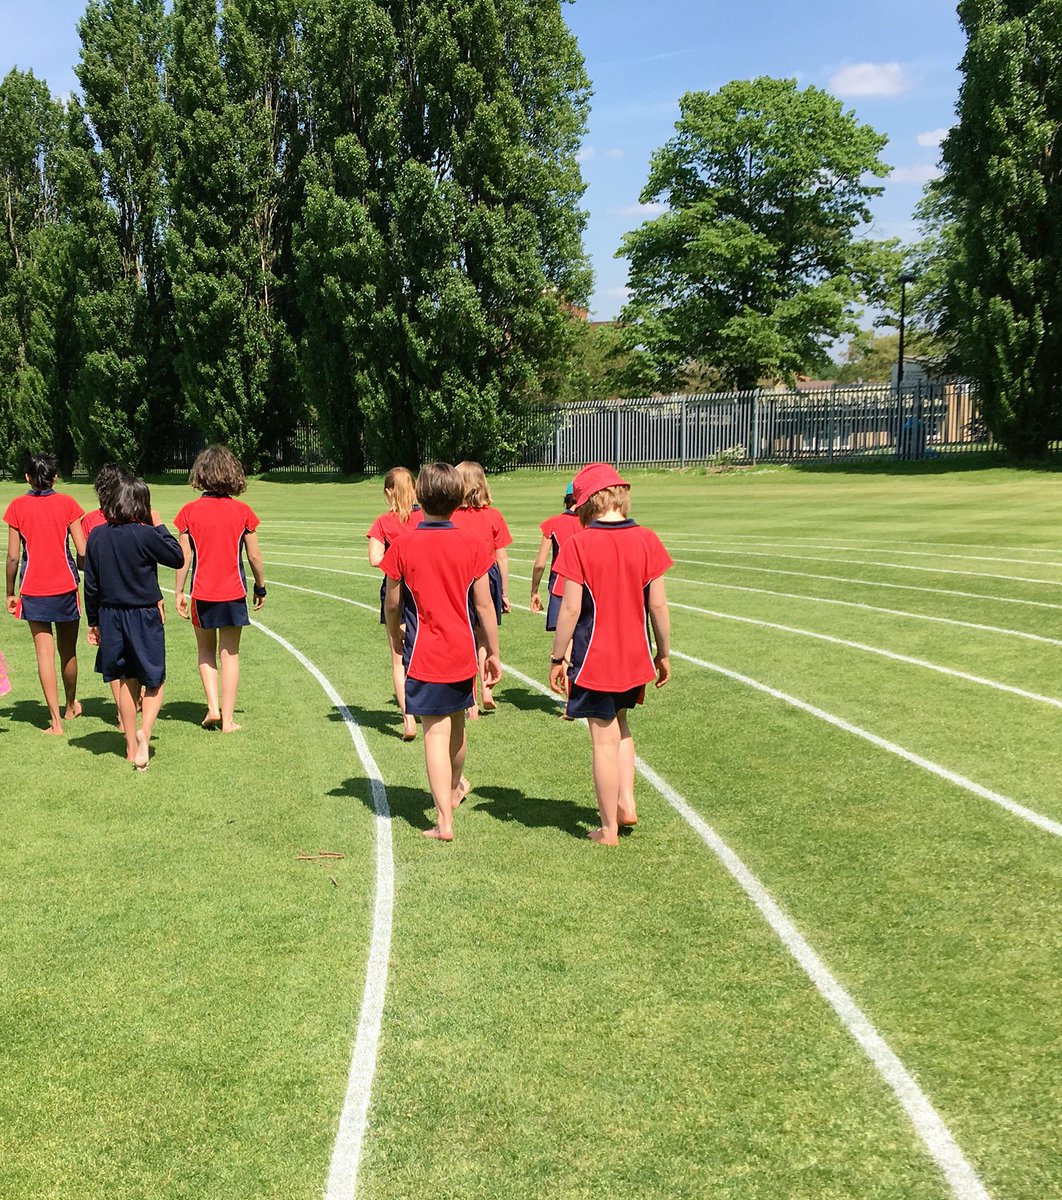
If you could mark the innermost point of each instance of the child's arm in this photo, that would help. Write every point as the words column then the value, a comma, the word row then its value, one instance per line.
column 77, row 534
column 182, row 575
column 571, row 606
column 660, row 619
column 14, row 553
column 92, row 600
column 502, row 557
column 393, row 612
column 376, row 552
column 488, row 622
column 254, row 557
column 536, row 573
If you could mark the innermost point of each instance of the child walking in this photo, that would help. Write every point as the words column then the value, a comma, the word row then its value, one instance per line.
column 41, row 525
column 122, row 597
column 401, row 501
column 613, row 579
column 443, row 571
column 555, row 532
column 215, row 530
column 478, row 515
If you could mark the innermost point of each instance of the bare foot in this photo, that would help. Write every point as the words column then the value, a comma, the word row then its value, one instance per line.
column 602, row 838
column 211, row 720
column 73, row 709
column 460, row 792
column 489, row 703
column 472, row 714
column 409, row 729
column 627, row 820
column 233, row 728
column 143, row 752
column 437, row 835
column 53, row 731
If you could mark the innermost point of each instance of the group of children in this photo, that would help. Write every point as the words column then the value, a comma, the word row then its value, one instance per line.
column 442, row 548
column 445, row 589
column 120, row 547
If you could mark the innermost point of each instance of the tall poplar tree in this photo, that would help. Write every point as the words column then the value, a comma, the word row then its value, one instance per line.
column 1002, row 191
column 440, row 245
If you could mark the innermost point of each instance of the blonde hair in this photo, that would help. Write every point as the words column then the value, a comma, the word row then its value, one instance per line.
column 439, row 489
column 217, row 469
column 399, row 482
column 477, row 493
column 600, row 502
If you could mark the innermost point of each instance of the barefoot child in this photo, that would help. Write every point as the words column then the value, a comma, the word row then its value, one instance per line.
column 613, row 577
column 42, row 524
column 555, row 532
column 401, row 500
column 444, row 570
column 122, row 598
column 214, row 531
column 478, row 515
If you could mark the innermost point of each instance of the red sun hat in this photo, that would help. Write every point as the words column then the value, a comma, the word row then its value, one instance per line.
column 593, row 478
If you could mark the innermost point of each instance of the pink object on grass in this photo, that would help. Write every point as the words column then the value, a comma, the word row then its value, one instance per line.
column 5, row 683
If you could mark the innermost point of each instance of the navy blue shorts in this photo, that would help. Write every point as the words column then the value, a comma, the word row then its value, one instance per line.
column 132, row 645
column 219, row 614
column 383, row 593
column 50, row 610
column 582, row 702
column 437, row 699
column 553, row 611
column 495, row 581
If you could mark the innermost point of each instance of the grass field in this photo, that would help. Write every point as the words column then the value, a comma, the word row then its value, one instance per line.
column 833, row 974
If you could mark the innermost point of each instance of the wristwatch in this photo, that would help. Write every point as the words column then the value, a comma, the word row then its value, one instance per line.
column 260, row 592
column 556, row 662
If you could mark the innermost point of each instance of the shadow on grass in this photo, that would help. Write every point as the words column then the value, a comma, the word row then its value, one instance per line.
column 29, row 712
column 534, row 812
column 944, row 464
column 525, row 700
column 387, row 723
column 105, row 741
column 411, row 805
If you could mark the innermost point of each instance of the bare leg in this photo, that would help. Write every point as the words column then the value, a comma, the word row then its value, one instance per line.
column 489, row 704
column 207, row 641
column 66, row 638
column 439, row 737
column 151, row 703
column 626, row 813
column 398, row 677
column 127, row 713
column 459, row 785
column 229, row 647
column 605, row 738
column 116, row 687
column 44, row 646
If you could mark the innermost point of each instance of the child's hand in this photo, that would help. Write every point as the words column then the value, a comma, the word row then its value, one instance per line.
column 663, row 669
column 557, row 672
column 536, row 603
column 506, row 606
column 155, row 518
column 182, row 606
column 162, row 611
column 93, row 635
column 492, row 670
column 12, row 605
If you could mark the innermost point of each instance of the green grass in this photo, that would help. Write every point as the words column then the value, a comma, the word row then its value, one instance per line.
column 179, row 994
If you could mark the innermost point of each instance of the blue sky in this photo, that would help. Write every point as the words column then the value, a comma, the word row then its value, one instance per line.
column 894, row 64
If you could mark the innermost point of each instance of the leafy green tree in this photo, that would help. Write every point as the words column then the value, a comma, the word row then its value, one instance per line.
column 235, row 80
column 1002, row 194
column 441, row 241
column 30, row 130
column 755, row 265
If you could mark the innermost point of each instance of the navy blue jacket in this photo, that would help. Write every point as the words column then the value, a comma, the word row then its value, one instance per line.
column 121, row 566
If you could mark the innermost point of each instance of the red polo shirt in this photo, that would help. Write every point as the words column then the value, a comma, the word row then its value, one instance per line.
column 43, row 520
column 217, row 526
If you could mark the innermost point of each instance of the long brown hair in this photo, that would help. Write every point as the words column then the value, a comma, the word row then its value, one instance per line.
column 477, row 493
column 403, row 495
column 217, row 469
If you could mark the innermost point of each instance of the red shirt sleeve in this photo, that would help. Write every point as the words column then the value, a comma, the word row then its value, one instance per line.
column 391, row 564
column 74, row 511
column 11, row 514
column 499, row 530
column 546, row 527
column 250, row 519
column 568, row 564
column 180, row 521
column 657, row 558
column 377, row 531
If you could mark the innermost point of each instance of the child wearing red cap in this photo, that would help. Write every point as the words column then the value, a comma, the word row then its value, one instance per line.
column 555, row 532
column 613, row 584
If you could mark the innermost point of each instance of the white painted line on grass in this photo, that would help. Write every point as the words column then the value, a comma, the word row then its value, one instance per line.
column 327, row 595
column 903, row 658
column 858, row 562
column 1027, row 814
column 882, row 542
column 928, row 1124
column 346, row 1153
column 330, row 570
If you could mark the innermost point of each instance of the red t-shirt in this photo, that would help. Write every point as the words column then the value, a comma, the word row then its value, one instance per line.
column 558, row 529
column 438, row 563
column 389, row 525
column 91, row 521
column 614, row 563
column 217, row 526
column 487, row 524
column 43, row 520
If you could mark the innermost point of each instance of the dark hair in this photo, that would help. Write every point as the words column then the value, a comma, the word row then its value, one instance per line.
column 129, row 503
column 439, row 489
column 217, row 469
column 107, row 478
column 41, row 469
column 569, row 501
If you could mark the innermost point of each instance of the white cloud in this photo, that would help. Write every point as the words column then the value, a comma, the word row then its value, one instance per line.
column 870, row 79
column 615, row 152
column 932, row 137
column 917, row 174
column 642, row 210
column 585, row 154
column 619, row 293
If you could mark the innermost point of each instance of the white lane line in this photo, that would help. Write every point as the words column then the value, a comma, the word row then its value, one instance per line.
column 328, row 595
column 858, row 562
column 346, row 1153
column 884, row 543
column 330, row 570
column 903, row 658
column 709, row 544
column 1027, row 814
column 928, row 1124
column 891, row 612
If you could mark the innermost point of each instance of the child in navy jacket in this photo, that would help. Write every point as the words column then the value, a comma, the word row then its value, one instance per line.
column 122, row 597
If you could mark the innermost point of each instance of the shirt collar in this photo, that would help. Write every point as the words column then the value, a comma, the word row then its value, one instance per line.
column 41, row 492
column 436, row 525
column 612, row 524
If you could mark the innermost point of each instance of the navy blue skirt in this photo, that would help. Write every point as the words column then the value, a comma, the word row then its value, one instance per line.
column 495, row 581
column 220, row 614
column 50, row 610
column 437, row 699
column 132, row 645
column 583, row 702
column 552, row 612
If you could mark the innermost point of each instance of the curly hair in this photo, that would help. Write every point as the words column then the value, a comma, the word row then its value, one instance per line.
column 217, row 469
